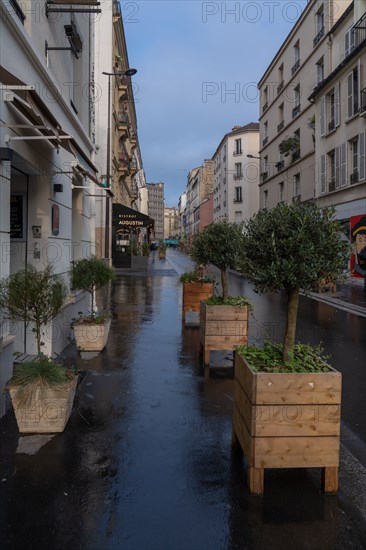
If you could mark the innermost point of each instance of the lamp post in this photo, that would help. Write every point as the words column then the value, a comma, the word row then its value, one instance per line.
column 253, row 157
column 129, row 72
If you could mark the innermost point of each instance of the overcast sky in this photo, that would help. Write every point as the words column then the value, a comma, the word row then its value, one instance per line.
column 198, row 66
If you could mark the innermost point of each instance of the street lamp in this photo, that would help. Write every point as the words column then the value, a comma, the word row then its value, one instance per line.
column 253, row 157
column 129, row 72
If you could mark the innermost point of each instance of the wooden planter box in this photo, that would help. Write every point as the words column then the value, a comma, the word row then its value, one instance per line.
column 222, row 328
column 48, row 410
column 193, row 294
column 91, row 337
column 287, row 421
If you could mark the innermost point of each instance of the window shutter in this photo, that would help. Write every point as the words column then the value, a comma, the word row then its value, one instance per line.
column 346, row 43
column 336, row 104
column 322, row 174
column 343, row 161
column 337, row 170
column 362, row 156
column 350, row 95
column 322, row 115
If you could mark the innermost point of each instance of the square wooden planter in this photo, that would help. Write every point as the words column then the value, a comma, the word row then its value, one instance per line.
column 193, row 294
column 162, row 255
column 91, row 337
column 222, row 328
column 48, row 410
column 287, row 421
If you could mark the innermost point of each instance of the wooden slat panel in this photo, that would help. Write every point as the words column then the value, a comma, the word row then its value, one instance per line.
column 198, row 288
column 295, row 452
column 245, row 407
column 223, row 342
column 227, row 328
column 246, row 442
column 226, row 313
column 295, row 420
column 279, row 388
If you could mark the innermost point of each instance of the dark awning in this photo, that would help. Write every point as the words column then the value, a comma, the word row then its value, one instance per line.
column 129, row 218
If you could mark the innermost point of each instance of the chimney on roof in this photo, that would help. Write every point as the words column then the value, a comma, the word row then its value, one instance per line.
column 236, row 128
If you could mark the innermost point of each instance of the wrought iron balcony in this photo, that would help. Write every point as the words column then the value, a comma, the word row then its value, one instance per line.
column 265, row 106
column 295, row 67
column 296, row 110
column 238, row 176
column 318, row 37
column 363, row 102
column 359, row 30
column 296, row 155
column 237, row 153
column 354, row 177
column 265, row 141
column 280, row 126
column 264, row 176
column 237, row 199
column 280, row 165
column 332, row 185
column 331, row 125
column 280, row 87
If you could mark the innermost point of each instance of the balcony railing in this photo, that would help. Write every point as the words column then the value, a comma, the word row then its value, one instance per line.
column 238, row 177
column 280, row 165
column 363, row 101
column 264, row 176
column 296, row 110
column 265, row 141
column 331, row 125
column 295, row 155
column 332, row 185
column 280, row 126
column 237, row 153
column 123, row 119
column 17, row 10
column 295, row 67
column 354, row 177
column 280, row 87
column 265, row 106
column 238, row 199
column 318, row 37
column 359, row 30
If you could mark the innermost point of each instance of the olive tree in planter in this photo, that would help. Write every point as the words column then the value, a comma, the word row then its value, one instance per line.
column 287, row 398
column 223, row 319
column 90, row 274
column 41, row 390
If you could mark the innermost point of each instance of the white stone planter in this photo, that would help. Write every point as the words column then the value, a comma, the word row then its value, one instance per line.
column 91, row 337
column 47, row 411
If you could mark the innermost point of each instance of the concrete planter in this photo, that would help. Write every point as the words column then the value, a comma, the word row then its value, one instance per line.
column 222, row 328
column 91, row 337
column 193, row 294
column 287, row 420
column 48, row 410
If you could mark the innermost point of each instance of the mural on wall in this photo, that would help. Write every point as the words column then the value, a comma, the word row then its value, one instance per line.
column 358, row 242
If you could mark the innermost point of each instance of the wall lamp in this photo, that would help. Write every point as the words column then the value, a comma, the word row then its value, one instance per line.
column 253, row 157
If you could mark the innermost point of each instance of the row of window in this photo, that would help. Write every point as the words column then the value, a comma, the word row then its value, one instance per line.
column 281, row 191
column 344, row 165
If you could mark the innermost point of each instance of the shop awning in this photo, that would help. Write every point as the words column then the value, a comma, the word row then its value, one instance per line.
column 127, row 217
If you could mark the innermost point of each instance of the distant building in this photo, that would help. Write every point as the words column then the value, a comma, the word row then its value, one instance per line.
column 236, row 177
column 199, row 188
column 171, row 223
column 156, row 208
column 206, row 212
column 182, row 203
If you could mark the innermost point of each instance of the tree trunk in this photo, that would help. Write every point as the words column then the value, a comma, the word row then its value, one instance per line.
column 92, row 304
column 224, row 283
column 292, row 307
column 38, row 337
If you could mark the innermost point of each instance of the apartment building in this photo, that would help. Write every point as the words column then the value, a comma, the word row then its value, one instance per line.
column 182, row 203
column 126, row 175
column 236, row 177
column 199, row 187
column 287, row 115
column 171, row 223
column 340, row 118
column 156, row 208
column 48, row 177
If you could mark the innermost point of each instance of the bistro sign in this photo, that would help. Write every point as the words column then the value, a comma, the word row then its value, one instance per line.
column 127, row 217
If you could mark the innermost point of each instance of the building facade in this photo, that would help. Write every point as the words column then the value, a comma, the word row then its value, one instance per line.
column 156, row 208
column 199, row 187
column 340, row 115
column 236, row 177
column 287, row 116
column 48, row 175
column 171, row 223
column 126, row 175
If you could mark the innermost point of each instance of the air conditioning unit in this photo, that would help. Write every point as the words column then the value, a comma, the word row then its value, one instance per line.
column 72, row 33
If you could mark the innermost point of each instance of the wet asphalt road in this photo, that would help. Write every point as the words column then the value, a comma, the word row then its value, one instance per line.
column 145, row 462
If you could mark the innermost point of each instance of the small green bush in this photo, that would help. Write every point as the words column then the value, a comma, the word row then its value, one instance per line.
column 194, row 277
column 239, row 301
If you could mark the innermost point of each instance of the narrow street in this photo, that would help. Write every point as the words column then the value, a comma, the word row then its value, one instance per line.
column 145, row 462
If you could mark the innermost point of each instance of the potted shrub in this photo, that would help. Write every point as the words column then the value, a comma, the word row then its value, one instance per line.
column 162, row 251
column 287, row 397
column 42, row 391
column 197, row 286
column 223, row 319
column 91, row 332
